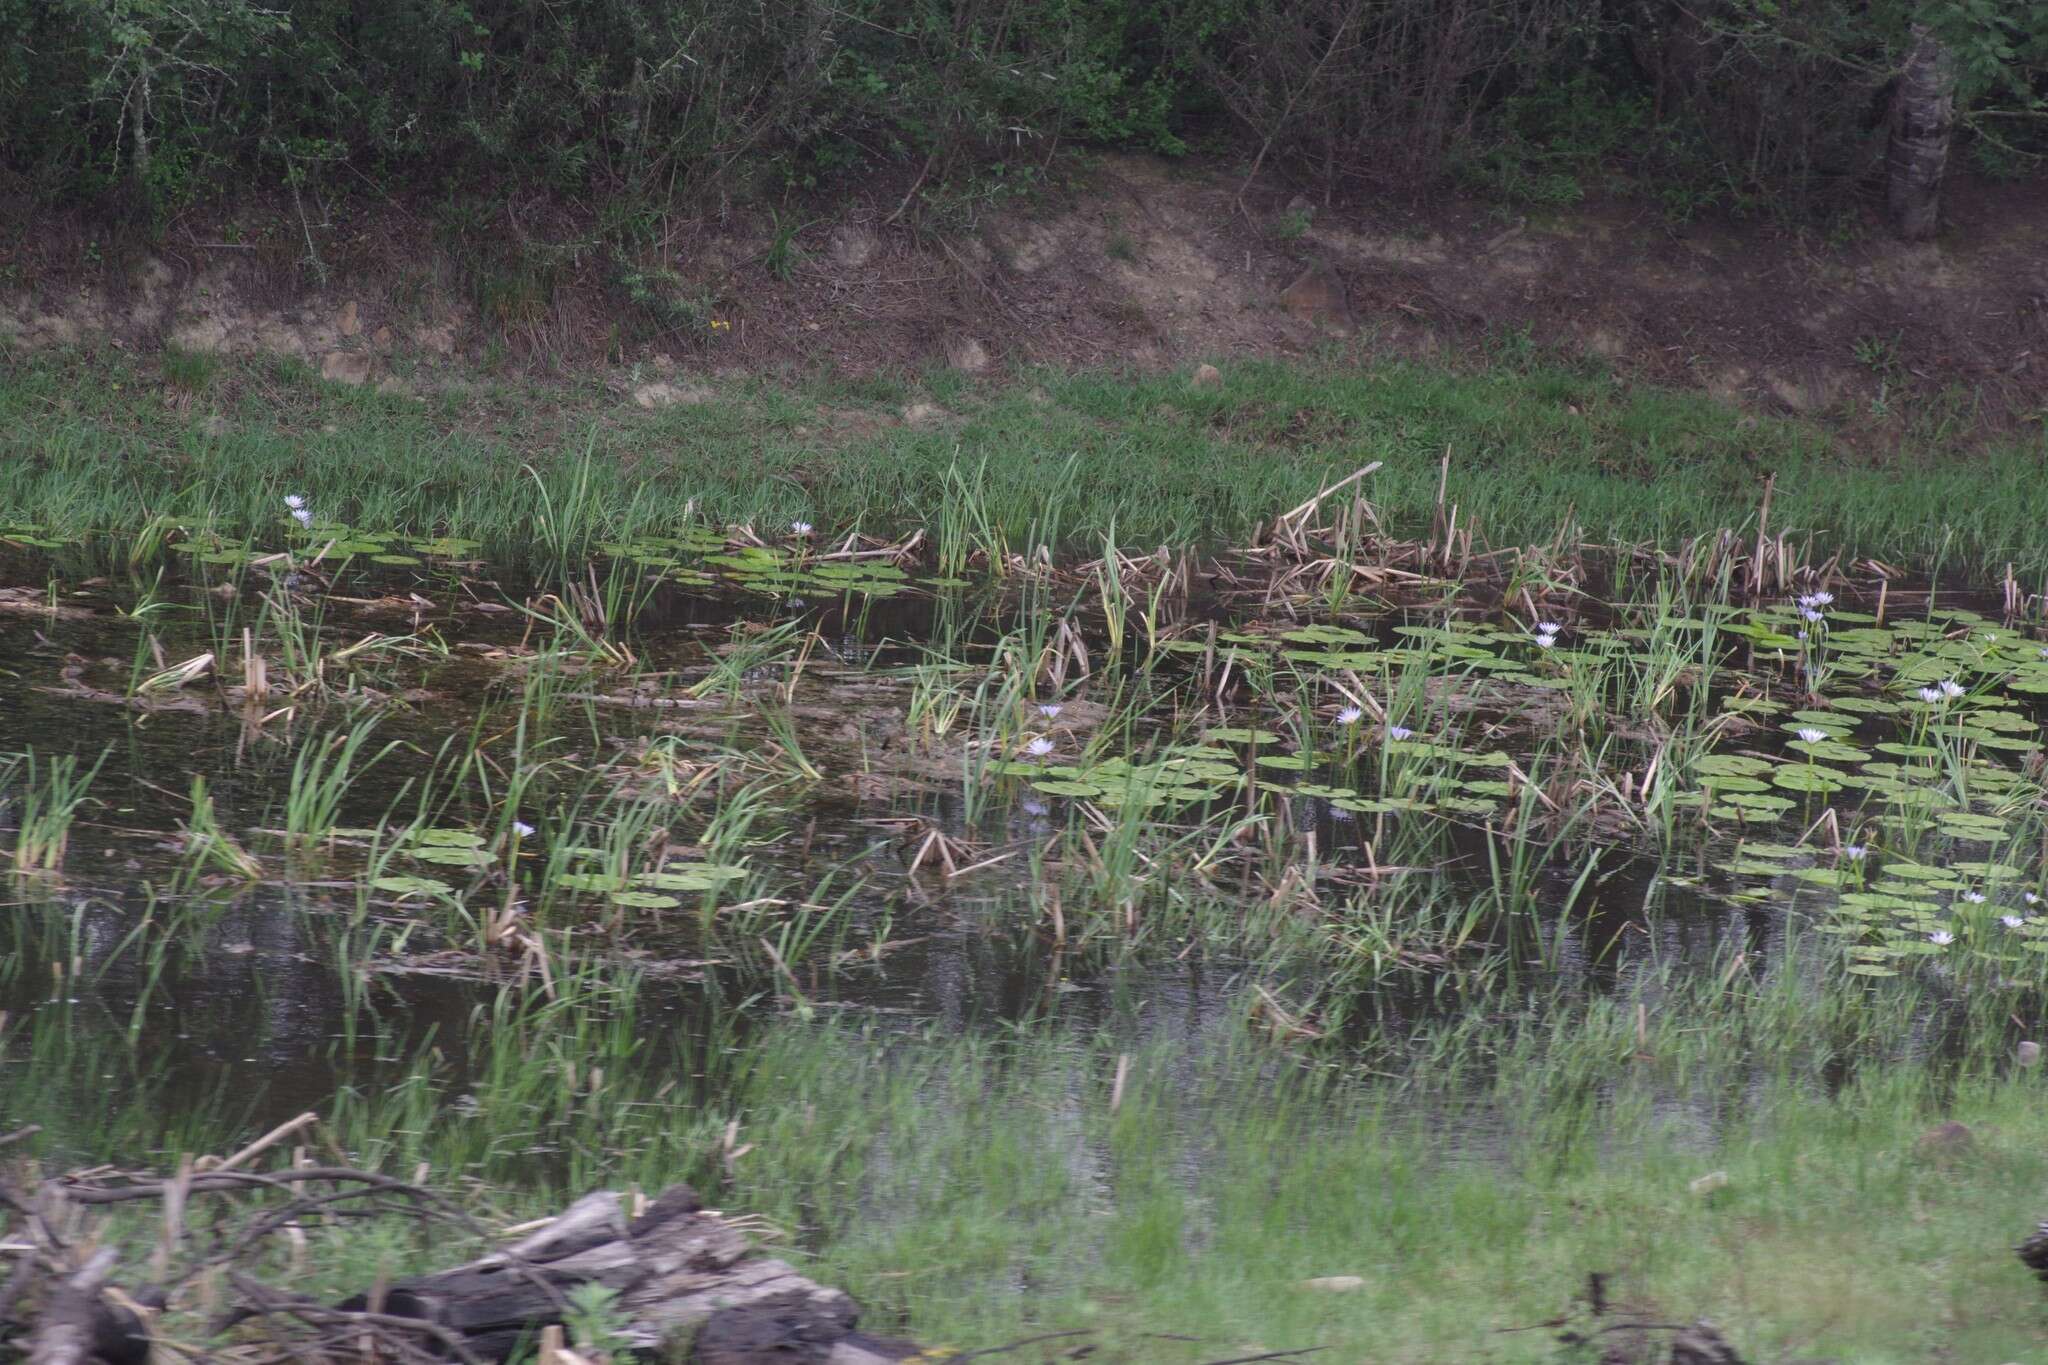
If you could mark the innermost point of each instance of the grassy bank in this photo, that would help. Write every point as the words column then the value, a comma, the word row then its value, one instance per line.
column 975, row 1192
column 1535, row 451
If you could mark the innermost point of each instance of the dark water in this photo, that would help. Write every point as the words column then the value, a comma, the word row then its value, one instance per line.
column 262, row 1001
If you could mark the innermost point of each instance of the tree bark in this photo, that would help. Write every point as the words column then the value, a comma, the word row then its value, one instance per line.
column 1923, row 118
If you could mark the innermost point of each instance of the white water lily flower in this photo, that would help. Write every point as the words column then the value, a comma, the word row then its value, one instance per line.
column 799, row 528
column 1050, row 709
column 1941, row 938
column 1932, row 696
column 1811, row 734
column 1548, row 627
column 1349, row 715
column 1545, row 641
column 1814, row 600
column 2031, row 898
column 1813, row 614
column 1854, row 852
column 302, row 517
column 294, row 501
column 1974, row 897
column 1399, row 732
column 522, row 829
column 2011, row 921
column 2044, row 653
column 1951, row 689
column 1039, row 747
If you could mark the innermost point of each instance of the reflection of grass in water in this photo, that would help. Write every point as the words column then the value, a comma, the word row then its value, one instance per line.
column 977, row 1190
column 1531, row 449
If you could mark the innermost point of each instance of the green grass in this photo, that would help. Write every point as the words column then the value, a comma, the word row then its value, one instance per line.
column 90, row 445
column 972, row 1192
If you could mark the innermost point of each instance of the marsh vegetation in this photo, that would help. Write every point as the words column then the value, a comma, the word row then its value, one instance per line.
column 1043, row 930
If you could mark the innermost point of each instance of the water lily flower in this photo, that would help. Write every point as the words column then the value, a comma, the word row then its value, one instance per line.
column 522, row 829
column 1941, row 938
column 1349, row 715
column 1039, row 747
column 2030, row 898
column 1813, row 614
column 1548, row 627
column 1050, row 709
column 1854, row 852
column 1813, row 600
column 1974, row 897
column 1545, row 641
column 1951, row 689
column 799, row 528
column 1032, row 807
column 296, row 505
column 294, row 501
column 2011, row 921
column 1399, row 732
column 1811, row 734
column 2044, row 653
column 1932, row 696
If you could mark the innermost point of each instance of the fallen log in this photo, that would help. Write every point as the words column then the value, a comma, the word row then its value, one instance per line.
column 674, row 1269
column 671, row 1271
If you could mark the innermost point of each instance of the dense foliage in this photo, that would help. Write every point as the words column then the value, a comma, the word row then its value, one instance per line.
column 155, row 103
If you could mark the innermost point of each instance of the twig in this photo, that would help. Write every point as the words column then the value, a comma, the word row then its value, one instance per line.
column 266, row 1302
column 1269, row 1355
column 268, row 1140
column 1020, row 1345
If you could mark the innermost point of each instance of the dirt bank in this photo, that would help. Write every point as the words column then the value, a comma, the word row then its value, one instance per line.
column 1135, row 262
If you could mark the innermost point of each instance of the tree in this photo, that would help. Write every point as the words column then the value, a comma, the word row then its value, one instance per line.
column 1923, row 120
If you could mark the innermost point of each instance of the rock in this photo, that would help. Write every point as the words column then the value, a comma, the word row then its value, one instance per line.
column 663, row 363
column 924, row 415
column 662, row 394
column 391, row 384
column 1943, row 1139
column 1335, row 1284
column 1317, row 297
column 1206, row 377
column 382, row 338
column 350, row 323
column 966, row 354
column 2029, row 1054
column 1708, row 1183
column 852, row 245
column 346, row 367
column 440, row 338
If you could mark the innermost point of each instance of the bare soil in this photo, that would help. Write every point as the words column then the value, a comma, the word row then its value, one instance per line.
column 1136, row 263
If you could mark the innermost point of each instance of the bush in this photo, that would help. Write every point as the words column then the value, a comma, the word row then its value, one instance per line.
column 150, row 105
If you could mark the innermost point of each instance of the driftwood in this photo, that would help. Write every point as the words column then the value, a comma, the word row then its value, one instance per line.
column 674, row 1269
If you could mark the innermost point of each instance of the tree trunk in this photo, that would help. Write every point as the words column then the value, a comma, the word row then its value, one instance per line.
column 1923, row 119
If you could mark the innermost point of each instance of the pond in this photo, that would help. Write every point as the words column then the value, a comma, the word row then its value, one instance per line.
column 292, row 814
